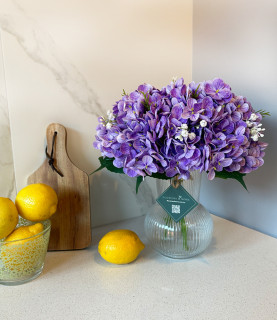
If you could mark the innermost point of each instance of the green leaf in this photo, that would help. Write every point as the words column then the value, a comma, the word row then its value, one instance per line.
column 232, row 175
column 100, row 168
column 139, row 181
column 263, row 113
column 108, row 164
column 146, row 102
column 161, row 176
column 124, row 93
column 196, row 94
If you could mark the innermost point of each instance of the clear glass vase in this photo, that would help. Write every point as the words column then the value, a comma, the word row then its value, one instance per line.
column 186, row 238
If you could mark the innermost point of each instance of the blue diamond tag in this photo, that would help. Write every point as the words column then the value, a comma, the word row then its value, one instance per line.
column 177, row 202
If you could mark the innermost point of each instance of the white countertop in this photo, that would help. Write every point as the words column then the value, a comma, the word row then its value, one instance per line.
column 235, row 278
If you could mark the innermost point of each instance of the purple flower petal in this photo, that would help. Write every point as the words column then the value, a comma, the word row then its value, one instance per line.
column 171, row 171
column 211, row 174
column 151, row 168
column 145, row 88
column 226, row 162
column 194, row 116
column 125, row 148
column 130, row 172
column 147, row 160
column 240, row 130
column 176, row 112
column 119, row 162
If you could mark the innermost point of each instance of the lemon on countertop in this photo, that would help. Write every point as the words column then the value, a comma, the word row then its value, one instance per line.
column 120, row 246
column 36, row 202
column 8, row 217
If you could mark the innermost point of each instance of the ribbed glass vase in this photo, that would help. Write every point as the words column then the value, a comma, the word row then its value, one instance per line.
column 186, row 238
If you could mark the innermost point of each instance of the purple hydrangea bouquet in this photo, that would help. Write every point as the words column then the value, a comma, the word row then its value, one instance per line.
column 177, row 133
column 179, row 129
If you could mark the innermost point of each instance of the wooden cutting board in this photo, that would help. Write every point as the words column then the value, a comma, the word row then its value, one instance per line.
column 71, row 227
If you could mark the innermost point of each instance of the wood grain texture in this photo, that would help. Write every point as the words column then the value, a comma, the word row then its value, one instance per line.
column 71, row 227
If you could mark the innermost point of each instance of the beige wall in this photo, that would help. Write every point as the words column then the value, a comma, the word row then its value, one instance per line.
column 236, row 40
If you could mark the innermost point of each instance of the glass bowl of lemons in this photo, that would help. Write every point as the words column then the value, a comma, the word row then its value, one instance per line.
column 24, row 233
column 22, row 254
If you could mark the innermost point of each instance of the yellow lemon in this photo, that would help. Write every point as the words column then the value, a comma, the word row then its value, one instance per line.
column 25, row 232
column 36, row 202
column 120, row 246
column 8, row 217
column 22, row 248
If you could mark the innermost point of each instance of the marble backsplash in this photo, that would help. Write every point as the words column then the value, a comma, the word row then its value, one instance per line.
column 68, row 62
column 7, row 181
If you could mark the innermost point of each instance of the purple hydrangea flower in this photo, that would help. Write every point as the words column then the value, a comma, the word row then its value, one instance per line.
column 192, row 110
column 217, row 164
column 218, row 90
column 181, row 128
column 146, row 164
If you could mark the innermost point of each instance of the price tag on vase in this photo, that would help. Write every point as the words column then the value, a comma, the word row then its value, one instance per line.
column 177, row 202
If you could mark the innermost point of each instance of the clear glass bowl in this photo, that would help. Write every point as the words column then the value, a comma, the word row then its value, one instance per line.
column 23, row 260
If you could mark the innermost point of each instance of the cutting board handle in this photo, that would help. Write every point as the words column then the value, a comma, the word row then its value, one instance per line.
column 60, row 141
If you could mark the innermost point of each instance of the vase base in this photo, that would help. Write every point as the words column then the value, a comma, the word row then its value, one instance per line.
column 179, row 256
column 182, row 240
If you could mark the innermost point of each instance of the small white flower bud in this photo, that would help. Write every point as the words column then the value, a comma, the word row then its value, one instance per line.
column 192, row 135
column 256, row 132
column 108, row 125
column 184, row 126
column 255, row 137
column 203, row 123
column 249, row 123
column 253, row 131
column 253, row 117
column 185, row 133
column 110, row 115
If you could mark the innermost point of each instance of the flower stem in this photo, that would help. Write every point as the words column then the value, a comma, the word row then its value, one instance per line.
column 185, row 234
column 169, row 223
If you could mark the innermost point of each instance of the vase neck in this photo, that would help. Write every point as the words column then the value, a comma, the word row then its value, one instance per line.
column 192, row 185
